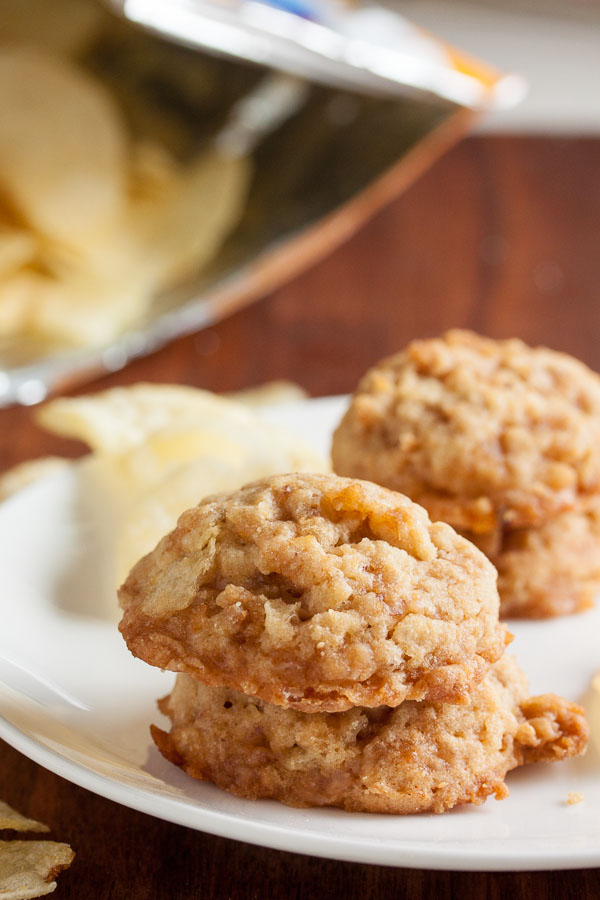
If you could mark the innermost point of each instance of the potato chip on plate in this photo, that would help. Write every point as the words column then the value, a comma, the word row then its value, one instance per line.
column 176, row 468
column 115, row 420
column 270, row 394
column 159, row 449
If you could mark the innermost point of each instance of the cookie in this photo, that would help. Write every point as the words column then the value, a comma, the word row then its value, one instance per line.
column 551, row 570
column 418, row 757
column 483, row 433
column 319, row 593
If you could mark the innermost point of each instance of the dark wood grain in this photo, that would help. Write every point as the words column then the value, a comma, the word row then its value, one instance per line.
column 502, row 235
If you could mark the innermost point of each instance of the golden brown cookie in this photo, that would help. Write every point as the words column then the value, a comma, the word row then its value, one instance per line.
column 417, row 757
column 551, row 570
column 319, row 593
column 482, row 433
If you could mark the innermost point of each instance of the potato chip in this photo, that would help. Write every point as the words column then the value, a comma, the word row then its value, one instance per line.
column 78, row 311
column 153, row 172
column 175, row 222
column 63, row 147
column 273, row 393
column 28, row 868
column 26, row 473
column 175, row 469
column 63, row 26
column 155, row 512
column 161, row 448
column 177, row 466
column 84, row 310
column 11, row 820
column 169, row 448
column 94, row 225
column 113, row 421
column 17, row 248
column 217, row 440
column 181, row 231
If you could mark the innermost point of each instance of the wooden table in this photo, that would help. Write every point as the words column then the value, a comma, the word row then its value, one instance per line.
column 502, row 235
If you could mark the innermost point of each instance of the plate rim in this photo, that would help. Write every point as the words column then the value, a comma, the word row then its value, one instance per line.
column 285, row 838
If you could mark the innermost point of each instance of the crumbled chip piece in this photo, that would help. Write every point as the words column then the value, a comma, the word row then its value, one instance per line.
column 12, row 820
column 575, row 797
column 28, row 868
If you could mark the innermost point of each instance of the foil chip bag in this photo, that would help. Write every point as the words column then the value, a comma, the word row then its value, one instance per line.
column 165, row 162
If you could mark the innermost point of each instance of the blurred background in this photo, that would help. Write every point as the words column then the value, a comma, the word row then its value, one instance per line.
column 165, row 164
column 554, row 45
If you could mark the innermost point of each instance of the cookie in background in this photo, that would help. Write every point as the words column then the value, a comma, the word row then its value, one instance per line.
column 502, row 441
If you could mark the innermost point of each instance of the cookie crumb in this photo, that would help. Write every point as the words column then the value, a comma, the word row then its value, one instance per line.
column 574, row 797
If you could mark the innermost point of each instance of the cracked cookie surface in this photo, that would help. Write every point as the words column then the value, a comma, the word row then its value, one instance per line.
column 481, row 432
column 316, row 592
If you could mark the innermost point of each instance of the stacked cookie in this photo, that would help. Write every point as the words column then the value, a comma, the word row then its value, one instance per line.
column 503, row 442
column 335, row 647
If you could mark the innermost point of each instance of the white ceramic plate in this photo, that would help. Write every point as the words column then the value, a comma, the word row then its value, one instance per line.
column 75, row 701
